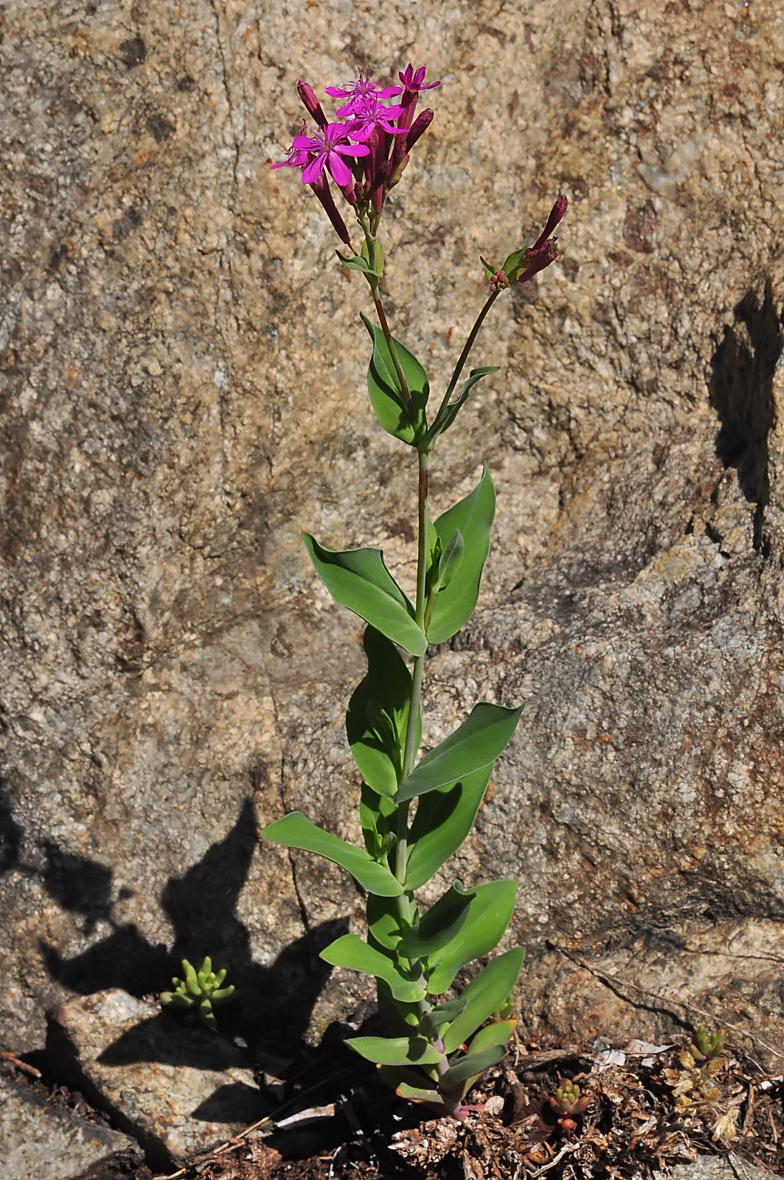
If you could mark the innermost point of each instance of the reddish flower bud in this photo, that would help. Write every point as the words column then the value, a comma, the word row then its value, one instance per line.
column 311, row 104
column 556, row 213
column 419, row 128
column 324, row 193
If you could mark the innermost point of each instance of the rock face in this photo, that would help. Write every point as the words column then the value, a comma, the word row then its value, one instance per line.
column 183, row 392
column 177, row 1090
column 37, row 1140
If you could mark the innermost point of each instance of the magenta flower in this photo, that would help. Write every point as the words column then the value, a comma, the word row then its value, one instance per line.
column 371, row 114
column 295, row 157
column 326, row 148
column 414, row 80
column 357, row 92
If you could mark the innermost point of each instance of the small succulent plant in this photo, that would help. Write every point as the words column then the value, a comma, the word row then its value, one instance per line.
column 704, row 1047
column 566, row 1102
column 695, row 1091
column 199, row 991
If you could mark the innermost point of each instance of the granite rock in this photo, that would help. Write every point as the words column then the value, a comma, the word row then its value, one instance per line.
column 178, row 1089
column 39, row 1140
column 183, row 392
column 715, row 1167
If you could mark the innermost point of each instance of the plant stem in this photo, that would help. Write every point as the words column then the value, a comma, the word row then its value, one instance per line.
column 382, row 319
column 469, row 344
column 414, row 707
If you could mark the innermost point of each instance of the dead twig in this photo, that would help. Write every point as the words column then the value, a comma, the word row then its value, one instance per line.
column 267, row 1121
column 25, row 1068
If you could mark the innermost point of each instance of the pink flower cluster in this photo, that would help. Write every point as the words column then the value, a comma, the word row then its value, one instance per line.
column 366, row 149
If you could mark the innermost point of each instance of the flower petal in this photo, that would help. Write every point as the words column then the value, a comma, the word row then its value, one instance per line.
column 340, row 172
column 314, row 169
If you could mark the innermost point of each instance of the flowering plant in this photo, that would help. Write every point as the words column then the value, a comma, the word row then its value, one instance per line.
column 437, row 1045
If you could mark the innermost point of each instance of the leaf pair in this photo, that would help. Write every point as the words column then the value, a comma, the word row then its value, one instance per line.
column 485, row 992
column 454, row 598
column 295, row 830
column 377, row 715
column 403, row 417
column 359, row 579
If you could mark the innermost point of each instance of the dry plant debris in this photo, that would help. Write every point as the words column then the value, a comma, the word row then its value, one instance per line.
column 635, row 1110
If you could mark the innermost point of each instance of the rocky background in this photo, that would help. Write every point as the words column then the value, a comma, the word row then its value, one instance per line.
column 182, row 381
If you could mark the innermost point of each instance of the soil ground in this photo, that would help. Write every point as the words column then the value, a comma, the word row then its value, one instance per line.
column 645, row 1108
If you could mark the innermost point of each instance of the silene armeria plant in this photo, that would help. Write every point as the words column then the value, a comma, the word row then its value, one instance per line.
column 414, row 813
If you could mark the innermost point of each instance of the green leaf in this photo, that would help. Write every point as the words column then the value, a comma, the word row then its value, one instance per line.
column 350, row 951
column 420, row 1094
column 473, row 516
column 483, row 995
column 358, row 579
column 376, row 262
column 451, row 559
column 385, row 691
column 443, row 820
column 493, row 1036
column 295, row 830
column 438, row 925
column 488, row 917
column 489, row 270
column 375, row 812
column 398, row 1019
column 386, row 392
column 191, row 978
column 383, row 919
column 497, row 1033
column 474, row 745
column 447, row 414
column 471, row 1065
column 396, row 1075
column 516, row 263
column 443, row 1014
column 352, row 262
column 396, row 1050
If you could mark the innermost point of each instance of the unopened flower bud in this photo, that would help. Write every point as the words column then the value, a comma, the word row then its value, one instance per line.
column 419, row 127
column 311, row 104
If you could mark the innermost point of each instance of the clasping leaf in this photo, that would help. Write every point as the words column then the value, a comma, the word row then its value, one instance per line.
column 438, row 925
column 358, row 579
column 295, row 830
column 471, row 517
column 447, row 413
column 487, row 919
column 350, row 951
column 386, row 392
column 396, row 1050
column 483, row 995
column 474, row 744
column 377, row 715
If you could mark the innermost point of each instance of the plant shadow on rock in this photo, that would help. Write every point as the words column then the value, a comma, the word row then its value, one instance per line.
column 10, row 833
column 741, row 391
column 202, row 907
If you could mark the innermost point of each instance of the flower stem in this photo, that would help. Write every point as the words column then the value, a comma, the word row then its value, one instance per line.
column 382, row 319
column 469, row 344
column 415, row 706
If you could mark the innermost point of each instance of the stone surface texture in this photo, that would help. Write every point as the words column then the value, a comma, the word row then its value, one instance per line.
column 177, row 1089
column 37, row 1140
column 715, row 1167
column 183, row 392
